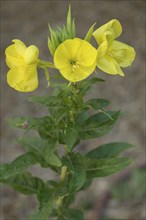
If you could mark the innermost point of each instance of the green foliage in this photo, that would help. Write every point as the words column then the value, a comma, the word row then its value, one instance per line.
column 69, row 120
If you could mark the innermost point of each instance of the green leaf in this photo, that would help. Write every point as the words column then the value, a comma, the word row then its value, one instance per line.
column 73, row 214
column 52, row 158
column 99, row 124
column 42, row 148
column 76, row 167
column 82, row 117
column 19, row 165
column 105, row 167
column 89, row 33
column 85, row 85
column 25, row 183
column 19, row 122
column 44, row 100
column 86, row 184
column 27, row 122
column 45, row 126
column 71, row 137
column 109, row 150
column 44, row 212
column 97, row 103
column 34, row 144
column 45, row 193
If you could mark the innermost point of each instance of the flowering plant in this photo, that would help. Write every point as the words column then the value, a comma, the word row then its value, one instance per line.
column 69, row 119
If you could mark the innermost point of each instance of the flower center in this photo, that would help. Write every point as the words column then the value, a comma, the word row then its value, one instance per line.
column 74, row 64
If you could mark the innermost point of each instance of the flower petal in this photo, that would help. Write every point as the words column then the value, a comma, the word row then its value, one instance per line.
column 15, row 53
column 23, row 79
column 78, row 74
column 65, row 52
column 31, row 55
column 122, row 53
column 12, row 57
column 102, row 49
column 20, row 47
column 109, row 65
column 112, row 26
column 86, row 54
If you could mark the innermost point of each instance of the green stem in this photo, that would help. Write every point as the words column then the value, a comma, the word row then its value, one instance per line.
column 45, row 64
column 63, row 173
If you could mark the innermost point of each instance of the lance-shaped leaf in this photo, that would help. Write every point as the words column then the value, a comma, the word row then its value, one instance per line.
column 44, row 100
column 71, row 136
column 85, row 85
column 99, row 124
column 45, row 126
column 109, row 150
column 52, row 158
column 76, row 168
column 44, row 149
column 25, row 183
column 105, row 167
column 97, row 103
column 20, row 164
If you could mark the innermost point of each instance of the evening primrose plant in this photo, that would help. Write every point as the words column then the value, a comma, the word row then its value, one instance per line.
column 69, row 120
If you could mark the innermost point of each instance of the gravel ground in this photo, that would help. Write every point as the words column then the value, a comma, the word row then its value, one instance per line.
column 28, row 21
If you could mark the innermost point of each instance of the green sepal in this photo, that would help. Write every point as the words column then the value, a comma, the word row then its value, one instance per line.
column 89, row 33
column 59, row 35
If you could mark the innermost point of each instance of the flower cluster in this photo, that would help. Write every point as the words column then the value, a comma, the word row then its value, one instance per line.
column 75, row 58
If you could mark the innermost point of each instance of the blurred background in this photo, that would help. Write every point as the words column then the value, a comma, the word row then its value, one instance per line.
column 121, row 196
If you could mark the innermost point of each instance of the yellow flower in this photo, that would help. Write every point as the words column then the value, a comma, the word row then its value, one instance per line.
column 75, row 59
column 22, row 62
column 112, row 54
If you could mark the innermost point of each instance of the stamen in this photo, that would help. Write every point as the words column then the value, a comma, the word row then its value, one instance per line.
column 74, row 64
